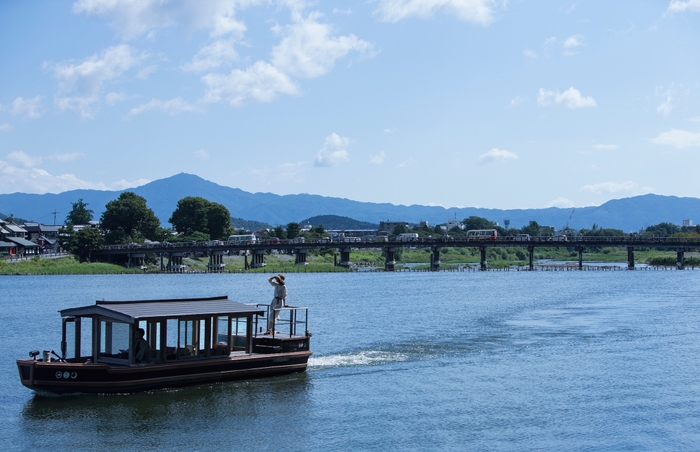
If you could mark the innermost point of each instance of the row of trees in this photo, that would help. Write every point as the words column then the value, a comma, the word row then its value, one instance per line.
column 128, row 219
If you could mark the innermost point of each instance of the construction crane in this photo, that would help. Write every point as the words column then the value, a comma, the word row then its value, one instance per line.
column 566, row 227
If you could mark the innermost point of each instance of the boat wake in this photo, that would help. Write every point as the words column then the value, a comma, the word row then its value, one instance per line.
column 356, row 358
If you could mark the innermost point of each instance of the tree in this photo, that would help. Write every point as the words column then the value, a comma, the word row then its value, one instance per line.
column 190, row 215
column 319, row 229
column 127, row 218
column 293, row 230
column 278, row 232
column 218, row 221
column 79, row 214
column 196, row 214
column 662, row 230
column 532, row 228
column 400, row 229
column 474, row 222
column 84, row 242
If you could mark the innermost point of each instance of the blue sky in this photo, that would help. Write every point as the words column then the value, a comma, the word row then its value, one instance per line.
column 458, row 103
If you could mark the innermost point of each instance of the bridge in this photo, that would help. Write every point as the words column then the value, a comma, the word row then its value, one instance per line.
column 171, row 254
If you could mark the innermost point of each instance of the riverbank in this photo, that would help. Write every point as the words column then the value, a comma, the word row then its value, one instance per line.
column 457, row 259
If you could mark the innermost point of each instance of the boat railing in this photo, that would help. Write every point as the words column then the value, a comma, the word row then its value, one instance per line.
column 292, row 321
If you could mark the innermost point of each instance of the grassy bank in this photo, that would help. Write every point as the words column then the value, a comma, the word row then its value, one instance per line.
column 62, row 266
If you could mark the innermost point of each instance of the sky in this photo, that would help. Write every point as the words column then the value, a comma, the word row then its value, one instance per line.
column 456, row 103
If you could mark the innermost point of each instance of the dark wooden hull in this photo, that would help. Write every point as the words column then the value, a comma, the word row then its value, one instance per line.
column 71, row 378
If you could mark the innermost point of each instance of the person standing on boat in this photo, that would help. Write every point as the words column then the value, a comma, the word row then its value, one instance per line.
column 141, row 348
column 278, row 301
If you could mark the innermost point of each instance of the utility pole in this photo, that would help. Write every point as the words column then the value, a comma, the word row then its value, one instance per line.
column 54, row 217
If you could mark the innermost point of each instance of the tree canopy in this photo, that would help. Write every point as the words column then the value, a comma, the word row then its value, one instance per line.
column 196, row 214
column 79, row 214
column 127, row 218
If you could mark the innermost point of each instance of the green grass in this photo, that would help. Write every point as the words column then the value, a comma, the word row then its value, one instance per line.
column 62, row 266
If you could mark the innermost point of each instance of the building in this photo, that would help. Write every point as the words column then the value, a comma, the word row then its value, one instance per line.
column 390, row 226
column 688, row 223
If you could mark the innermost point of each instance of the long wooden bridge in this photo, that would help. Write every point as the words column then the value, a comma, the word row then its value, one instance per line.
column 171, row 254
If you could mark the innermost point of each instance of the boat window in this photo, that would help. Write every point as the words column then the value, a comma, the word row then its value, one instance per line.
column 190, row 333
column 114, row 339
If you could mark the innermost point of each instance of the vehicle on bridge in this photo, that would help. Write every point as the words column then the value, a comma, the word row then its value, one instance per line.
column 244, row 239
column 141, row 345
column 482, row 234
column 407, row 237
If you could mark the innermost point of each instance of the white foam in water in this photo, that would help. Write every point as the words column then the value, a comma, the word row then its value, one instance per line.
column 362, row 358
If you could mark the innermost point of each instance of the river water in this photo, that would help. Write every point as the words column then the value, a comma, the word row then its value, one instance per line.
column 403, row 361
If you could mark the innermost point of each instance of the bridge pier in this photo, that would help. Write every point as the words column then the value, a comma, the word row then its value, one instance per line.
column 216, row 262
column 435, row 259
column 530, row 256
column 345, row 257
column 482, row 264
column 680, row 259
column 138, row 259
column 258, row 259
column 389, row 263
column 175, row 264
column 580, row 257
column 630, row 258
column 299, row 257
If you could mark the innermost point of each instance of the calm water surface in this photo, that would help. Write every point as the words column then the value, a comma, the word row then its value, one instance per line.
column 405, row 361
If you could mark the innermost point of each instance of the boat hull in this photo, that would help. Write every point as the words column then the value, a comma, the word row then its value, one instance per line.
column 71, row 378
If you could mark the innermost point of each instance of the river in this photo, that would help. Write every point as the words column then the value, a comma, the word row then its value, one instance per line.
column 402, row 361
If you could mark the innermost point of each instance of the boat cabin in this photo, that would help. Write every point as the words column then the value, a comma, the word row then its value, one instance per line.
column 176, row 330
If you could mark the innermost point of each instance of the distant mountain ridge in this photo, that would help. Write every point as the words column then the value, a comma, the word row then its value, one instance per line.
column 628, row 214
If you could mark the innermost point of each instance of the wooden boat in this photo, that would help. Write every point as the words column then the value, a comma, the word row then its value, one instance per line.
column 187, row 341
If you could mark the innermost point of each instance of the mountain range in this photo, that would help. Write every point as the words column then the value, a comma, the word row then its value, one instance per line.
column 629, row 214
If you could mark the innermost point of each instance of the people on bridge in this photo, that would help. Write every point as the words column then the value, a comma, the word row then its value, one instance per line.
column 279, row 301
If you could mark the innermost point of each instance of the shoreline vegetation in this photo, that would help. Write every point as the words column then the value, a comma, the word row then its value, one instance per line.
column 324, row 261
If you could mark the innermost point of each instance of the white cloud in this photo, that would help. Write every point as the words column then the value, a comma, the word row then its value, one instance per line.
column 516, row 102
column 475, row 11
column 678, row 138
column 529, row 53
column 172, row 107
column 405, row 163
column 132, row 18
column 80, row 85
column 19, row 174
column 124, row 184
column 6, row 128
column 607, row 147
column 571, row 98
column 681, row 6
column 496, row 155
column 69, row 157
column 561, row 203
column 212, row 56
column 333, row 153
column 390, row 130
column 23, row 159
column 695, row 119
column 377, row 159
column 28, row 108
column 308, row 48
column 201, row 154
column 573, row 41
column 342, row 11
column 112, row 98
column 260, row 82
column 668, row 94
column 616, row 188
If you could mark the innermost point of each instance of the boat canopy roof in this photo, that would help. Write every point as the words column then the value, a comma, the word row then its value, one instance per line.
column 131, row 311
